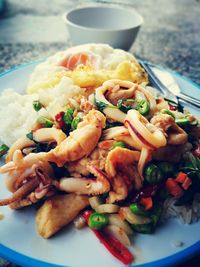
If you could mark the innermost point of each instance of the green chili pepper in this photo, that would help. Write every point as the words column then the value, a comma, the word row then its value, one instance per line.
column 75, row 123
column 68, row 116
column 122, row 107
column 97, row 221
column 119, row 144
column 143, row 107
column 138, row 209
column 45, row 122
column 37, row 105
column 152, row 174
column 3, row 149
column 167, row 168
column 167, row 111
column 182, row 122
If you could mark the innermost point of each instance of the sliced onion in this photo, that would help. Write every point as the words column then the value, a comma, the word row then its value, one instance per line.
column 115, row 219
column 132, row 218
column 118, row 233
column 95, row 202
column 120, row 133
column 79, row 222
column 145, row 156
column 107, row 208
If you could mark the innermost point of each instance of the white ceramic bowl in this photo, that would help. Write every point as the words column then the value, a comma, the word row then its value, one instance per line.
column 115, row 26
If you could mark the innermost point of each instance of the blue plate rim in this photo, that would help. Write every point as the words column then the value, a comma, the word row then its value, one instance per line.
column 27, row 261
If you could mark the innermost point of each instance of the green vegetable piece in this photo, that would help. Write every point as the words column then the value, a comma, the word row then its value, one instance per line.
column 182, row 122
column 143, row 228
column 138, row 209
column 68, row 116
column 167, row 111
column 100, row 105
column 119, row 144
column 114, row 124
column 143, row 107
column 37, row 105
column 30, row 136
column 3, row 149
column 167, row 168
column 75, row 123
column 152, row 174
column 45, row 122
column 97, row 221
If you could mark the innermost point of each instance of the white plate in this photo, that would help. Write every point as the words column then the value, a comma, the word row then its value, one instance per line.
column 20, row 243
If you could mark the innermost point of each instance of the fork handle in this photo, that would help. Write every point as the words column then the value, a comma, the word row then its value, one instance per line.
column 193, row 101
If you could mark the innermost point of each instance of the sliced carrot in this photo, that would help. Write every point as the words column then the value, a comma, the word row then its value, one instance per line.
column 147, row 202
column 187, row 183
column 180, row 178
column 173, row 188
column 184, row 180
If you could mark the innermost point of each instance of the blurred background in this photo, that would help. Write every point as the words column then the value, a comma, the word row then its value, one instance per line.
column 170, row 36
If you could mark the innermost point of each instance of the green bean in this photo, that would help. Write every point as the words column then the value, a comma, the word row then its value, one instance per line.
column 167, row 168
column 152, row 174
column 138, row 209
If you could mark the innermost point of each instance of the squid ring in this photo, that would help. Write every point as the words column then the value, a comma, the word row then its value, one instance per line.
column 137, row 126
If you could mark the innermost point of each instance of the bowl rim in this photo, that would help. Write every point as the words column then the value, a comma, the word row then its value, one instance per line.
column 132, row 10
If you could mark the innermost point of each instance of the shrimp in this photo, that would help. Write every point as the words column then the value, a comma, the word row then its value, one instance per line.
column 120, row 167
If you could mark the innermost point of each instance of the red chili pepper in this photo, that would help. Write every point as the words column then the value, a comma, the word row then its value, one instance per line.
column 171, row 107
column 147, row 191
column 114, row 246
column 159, row 100
column 197, row 152
column 59, row 119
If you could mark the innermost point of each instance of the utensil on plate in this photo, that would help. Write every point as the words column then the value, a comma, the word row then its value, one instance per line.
column 164, row 82
column 112, row 25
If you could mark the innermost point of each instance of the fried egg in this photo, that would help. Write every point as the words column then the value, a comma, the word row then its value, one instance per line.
column 88, row 66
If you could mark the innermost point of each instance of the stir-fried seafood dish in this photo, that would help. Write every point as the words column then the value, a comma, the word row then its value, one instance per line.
column 96, row 145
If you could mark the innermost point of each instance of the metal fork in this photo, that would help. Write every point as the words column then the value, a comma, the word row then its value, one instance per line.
column 172, row 92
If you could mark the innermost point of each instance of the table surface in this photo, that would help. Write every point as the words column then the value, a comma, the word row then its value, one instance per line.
column 170, row 36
